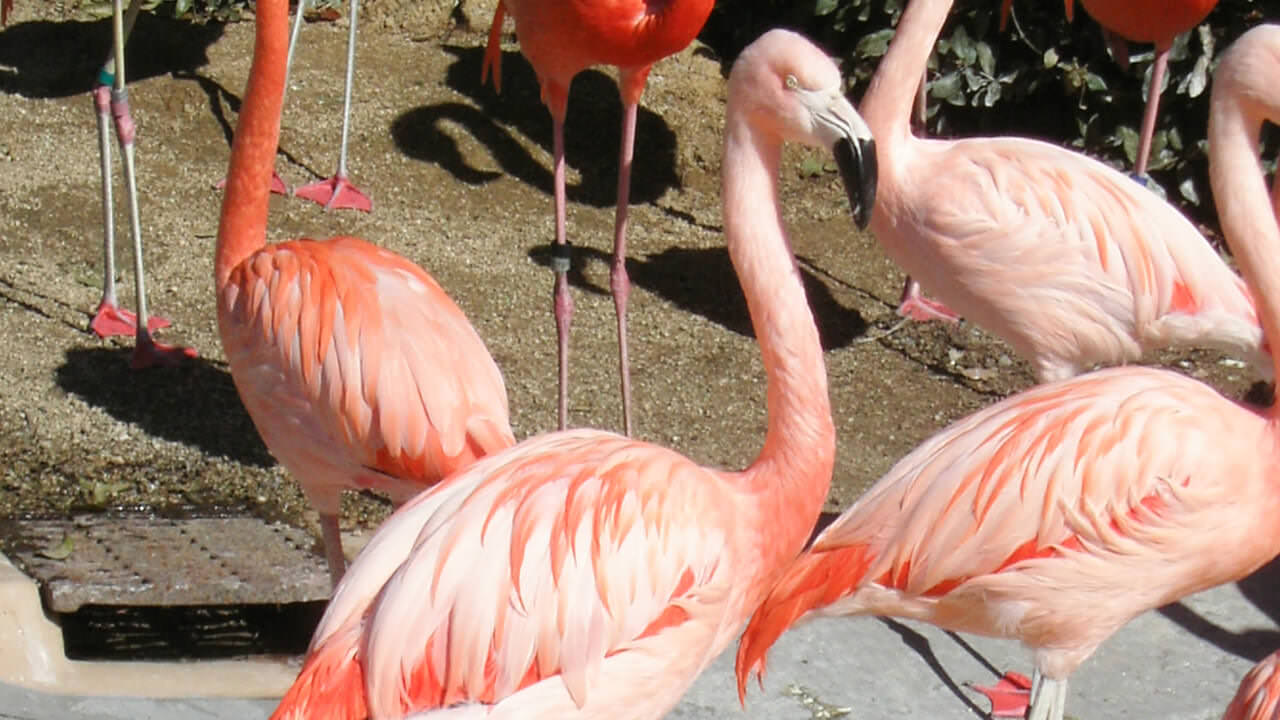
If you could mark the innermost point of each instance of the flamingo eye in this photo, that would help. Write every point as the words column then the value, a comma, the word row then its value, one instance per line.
column 791, row 82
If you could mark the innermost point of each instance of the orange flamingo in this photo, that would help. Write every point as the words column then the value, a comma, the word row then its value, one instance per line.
column 1059, row 514
column 582, row 574
column 1143, row 21
column 1259, row 695
column 561, row 38
column 1069, row 261
column 356, row 367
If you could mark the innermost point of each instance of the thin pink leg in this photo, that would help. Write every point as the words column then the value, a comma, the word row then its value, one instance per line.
column 562, row 303
column 915, row 306
column 337, row 191
column 619, row 283
column 147, row 352
column 1149, row 116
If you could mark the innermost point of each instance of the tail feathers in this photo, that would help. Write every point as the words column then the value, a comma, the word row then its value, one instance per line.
column 493, row 51
column 330, row 686
column 814, row 581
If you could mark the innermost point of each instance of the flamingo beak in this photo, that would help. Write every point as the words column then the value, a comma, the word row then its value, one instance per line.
column 856, row 159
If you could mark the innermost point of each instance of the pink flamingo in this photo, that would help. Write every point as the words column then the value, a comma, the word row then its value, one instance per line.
column 356, row 367
column 1259, row 695
column 1069, row 261
column 1059, row 514
column 585, row 574
column 561, row 39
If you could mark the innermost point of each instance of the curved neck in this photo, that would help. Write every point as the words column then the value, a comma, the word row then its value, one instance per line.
column 242, row 228
column 1249, row 221
column 886, row 105
column 799, row 447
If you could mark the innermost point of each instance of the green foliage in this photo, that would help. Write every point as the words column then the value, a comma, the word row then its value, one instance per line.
column 1043, row 77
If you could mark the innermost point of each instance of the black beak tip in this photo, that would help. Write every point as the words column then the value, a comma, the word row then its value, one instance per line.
column 857, row 164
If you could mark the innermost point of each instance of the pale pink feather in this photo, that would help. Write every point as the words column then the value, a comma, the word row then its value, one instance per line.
column 1066, row 259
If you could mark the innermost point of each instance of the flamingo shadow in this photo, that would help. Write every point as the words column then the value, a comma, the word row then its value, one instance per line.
column 592, row 132
column 196, row 405
column 1262, row 588
column 44, row 59
column 702, row 281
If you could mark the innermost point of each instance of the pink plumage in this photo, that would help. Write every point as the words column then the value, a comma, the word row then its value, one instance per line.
column 1066, row 259
column 582, row 574
column 1057, row 515
column 1259, row 695
column 356, row 367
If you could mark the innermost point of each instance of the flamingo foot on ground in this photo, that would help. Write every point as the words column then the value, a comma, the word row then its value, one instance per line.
column 148, row 353
column 1010, row 695
column 915, row 306
column 110, row 319
column 336, row 192
column 278, row 186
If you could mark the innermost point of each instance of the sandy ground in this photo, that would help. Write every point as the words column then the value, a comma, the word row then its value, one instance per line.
column 461, row 183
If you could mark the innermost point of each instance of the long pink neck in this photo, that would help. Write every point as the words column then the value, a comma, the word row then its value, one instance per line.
column 793, row 469
column 1239, row 187
column 886, row 106
column 242, row 228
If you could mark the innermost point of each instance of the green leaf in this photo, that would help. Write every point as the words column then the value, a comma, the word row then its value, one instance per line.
column 1050, row 58
column 1187, row 189
column 820, row 7
column 875, row 44
column 1094, row 82
column 986, row 59
column 60, row 551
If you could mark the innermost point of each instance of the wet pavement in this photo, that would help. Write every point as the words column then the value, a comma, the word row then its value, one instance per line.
column 1181, row 663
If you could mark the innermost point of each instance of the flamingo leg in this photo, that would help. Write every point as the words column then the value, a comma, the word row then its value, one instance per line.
column 109, row 318
column 333, row 554
column 1048, row 698
column 1149, row 115
column 619, row 283
column 337, row 191
column 915, row 306
column 146, row 352
column 562, row 303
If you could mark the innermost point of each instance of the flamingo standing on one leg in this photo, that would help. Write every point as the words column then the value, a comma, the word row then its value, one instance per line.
column 1066, row 259
column 1058, row 515
column 582, row 574
column 356, row 367
column 561, row 39
column 1259, row 695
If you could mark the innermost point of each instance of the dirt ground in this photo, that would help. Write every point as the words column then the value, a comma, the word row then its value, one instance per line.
column 460, row 179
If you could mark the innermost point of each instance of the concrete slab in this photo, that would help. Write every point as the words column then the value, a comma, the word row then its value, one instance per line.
column 1181, row 663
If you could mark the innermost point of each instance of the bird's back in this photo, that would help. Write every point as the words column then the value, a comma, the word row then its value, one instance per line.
column 1122, row 486
column 358, row 369
column 1068, row 260
column 578, row 572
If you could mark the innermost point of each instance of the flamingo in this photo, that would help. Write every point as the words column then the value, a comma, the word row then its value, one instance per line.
column 356, row 367
column 1063, row 257
column 1145, row 21
column 561, row 39
column 111, row 101
column 583, row 574
column 1057, row 515
column 1259, row 695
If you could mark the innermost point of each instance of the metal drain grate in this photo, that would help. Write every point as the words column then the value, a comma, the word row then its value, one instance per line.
column 144, row 560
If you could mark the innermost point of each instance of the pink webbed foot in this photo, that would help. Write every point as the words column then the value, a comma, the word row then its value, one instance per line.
column 148, row 353
column 1009, row 697
column 110, row 319
column 277, row 185
column 336, row 192
column 921, row 309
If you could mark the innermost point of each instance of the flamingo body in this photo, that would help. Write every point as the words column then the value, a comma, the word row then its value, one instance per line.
column 1057, row 515
column 1148, row 21
column 582, row 574
column 356, row 367
column 1066, row 259
column 1259, row 695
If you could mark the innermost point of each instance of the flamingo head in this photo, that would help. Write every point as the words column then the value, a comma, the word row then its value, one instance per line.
column 793, row 91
